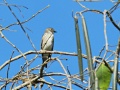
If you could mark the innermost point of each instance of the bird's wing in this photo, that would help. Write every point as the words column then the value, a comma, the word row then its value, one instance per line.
column 45, row 38
column 52, row 47
column 52, row 43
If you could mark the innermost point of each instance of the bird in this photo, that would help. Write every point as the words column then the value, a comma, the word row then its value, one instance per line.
column 47, row 43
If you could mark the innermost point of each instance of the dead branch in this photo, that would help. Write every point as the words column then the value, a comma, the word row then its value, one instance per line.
column 39, row 52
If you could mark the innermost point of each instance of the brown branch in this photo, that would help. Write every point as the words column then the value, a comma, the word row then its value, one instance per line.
column 114, row 7
column 90, row 10
column 26, row 83
column 3, row 36
column 113, row 22
column 39, row 52
column 56, row 85
column 78, row 85
column 41, row 81
column 20, row 24
column 8, row 70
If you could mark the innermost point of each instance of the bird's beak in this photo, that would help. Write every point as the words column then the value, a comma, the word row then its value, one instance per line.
column 55, row 31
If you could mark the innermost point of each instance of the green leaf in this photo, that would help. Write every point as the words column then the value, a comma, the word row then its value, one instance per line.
column 104, row 74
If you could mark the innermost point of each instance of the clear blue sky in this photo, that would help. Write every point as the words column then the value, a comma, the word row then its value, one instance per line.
column 58, row 16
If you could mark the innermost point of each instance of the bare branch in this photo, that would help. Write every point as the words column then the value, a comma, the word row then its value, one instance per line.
column 39, row 52
column 17, row 23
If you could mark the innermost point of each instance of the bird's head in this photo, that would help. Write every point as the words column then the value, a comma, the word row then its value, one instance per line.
column 50, row 30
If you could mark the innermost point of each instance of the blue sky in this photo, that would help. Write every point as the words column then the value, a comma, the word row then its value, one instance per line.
column 58, row 16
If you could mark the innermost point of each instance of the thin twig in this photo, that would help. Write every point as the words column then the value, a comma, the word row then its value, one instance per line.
column 67, row 75
column 111, row 19
column 12, row 44
column 8, row 68
column 17, row 23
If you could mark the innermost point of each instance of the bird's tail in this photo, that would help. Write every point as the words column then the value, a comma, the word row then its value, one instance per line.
column 44, row 59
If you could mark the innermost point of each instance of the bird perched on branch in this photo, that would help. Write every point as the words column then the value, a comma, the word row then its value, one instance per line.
column 47, row 43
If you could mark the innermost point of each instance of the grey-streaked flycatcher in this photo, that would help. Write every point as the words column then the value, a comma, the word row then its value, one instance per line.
column 47, row 43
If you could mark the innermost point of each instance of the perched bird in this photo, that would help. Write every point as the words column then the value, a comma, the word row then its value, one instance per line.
column 47, row 43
